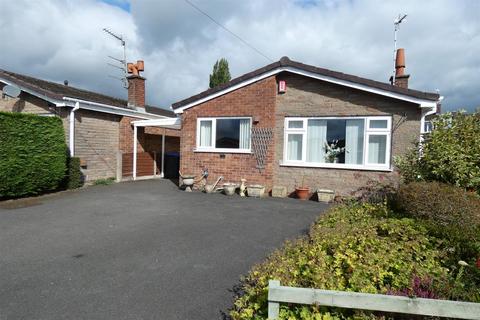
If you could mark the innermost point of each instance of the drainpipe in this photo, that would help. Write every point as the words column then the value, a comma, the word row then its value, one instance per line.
column 71, row 135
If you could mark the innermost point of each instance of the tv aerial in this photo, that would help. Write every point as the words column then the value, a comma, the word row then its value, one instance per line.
column 120, row 64
column 396, row 24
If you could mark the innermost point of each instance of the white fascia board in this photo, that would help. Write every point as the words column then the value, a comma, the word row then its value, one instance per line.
column 173, row 123
column 100, row 107
column 424, row 103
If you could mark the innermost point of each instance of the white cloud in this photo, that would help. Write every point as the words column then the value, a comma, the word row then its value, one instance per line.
column 63, row 40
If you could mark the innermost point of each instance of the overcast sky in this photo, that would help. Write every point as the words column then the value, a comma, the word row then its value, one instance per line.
column 63, row 39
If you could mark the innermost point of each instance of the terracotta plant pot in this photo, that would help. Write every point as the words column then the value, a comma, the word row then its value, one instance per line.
column 302, row 192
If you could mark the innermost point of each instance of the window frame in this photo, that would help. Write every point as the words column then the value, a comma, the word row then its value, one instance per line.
column 367, row 132
column 199, row 148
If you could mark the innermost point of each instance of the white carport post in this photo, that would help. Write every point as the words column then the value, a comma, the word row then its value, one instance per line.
column 163, row 154
column 134, row 152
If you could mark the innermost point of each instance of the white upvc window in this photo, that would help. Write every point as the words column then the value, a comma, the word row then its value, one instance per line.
column 224, row 134
column 362, row 143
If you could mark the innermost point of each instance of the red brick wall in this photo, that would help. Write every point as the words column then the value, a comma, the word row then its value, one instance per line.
column 255, row 100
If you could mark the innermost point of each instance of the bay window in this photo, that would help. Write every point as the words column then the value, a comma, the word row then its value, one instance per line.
column 224, row 134
column 346, row 142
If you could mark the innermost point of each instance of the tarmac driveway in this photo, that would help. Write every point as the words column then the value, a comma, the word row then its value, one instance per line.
column 138, row 250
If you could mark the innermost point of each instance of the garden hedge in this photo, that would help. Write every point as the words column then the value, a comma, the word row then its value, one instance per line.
column 74, row 178
column 33, row 154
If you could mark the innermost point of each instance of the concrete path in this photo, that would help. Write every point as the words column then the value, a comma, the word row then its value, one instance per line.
column 137, row 250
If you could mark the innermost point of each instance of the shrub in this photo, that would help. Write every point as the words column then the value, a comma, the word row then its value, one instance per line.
column 450, row 153
column 374, row 192
column 74, row 178
column 32, row 154
column 453, row 216
column 449, row 212
column 359, row 247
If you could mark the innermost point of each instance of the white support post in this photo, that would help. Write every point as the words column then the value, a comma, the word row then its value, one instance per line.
column 163, row 154
column 273, row 307
column 134, row 152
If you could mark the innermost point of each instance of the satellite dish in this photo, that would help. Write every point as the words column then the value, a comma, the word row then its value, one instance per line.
column 11, row 91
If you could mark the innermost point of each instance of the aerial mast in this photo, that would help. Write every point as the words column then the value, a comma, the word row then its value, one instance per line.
column 396, row 24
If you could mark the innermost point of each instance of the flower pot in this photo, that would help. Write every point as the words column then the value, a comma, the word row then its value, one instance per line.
column 302, row 192
column 325, row 195
column 229, row 188
column 256, row 190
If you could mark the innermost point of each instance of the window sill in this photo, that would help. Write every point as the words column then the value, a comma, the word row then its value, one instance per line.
column 223, row 151
column 334, row 166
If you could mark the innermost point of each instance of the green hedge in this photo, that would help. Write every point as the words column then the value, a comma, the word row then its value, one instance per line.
column 33, row 154
column 74, row 178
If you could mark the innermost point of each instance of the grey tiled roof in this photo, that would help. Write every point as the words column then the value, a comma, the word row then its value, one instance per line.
column 286, row 62
column 55, row 90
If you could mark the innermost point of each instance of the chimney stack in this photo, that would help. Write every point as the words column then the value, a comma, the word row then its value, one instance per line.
column 401, row 79
column 136, row 85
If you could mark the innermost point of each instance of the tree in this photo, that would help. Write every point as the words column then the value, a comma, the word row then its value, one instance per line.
column 220, row 73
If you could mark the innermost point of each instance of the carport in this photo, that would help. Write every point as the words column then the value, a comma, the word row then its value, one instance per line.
column 145, row 157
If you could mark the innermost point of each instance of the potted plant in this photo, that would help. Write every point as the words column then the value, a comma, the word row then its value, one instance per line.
column 333, row 151
column 302, row 191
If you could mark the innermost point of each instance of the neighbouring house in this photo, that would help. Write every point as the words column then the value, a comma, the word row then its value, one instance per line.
column 290, row 122
column 100, row 129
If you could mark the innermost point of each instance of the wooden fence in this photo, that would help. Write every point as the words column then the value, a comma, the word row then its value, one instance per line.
column 365, row 301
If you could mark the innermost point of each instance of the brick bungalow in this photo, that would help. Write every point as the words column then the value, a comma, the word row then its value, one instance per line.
column 273, row 126
column 99, row 129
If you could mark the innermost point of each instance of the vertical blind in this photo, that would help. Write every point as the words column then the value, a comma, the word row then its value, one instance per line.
column 244, row 134
column 206, row 133
column 354, row 141
column 316, row 139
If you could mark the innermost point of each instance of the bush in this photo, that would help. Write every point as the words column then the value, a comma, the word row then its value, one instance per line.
column 74, row 178
column 374, row 192
column 453, row 216
column 359, row 247
column 32, row 154
column 442, row 204
column 450, row 153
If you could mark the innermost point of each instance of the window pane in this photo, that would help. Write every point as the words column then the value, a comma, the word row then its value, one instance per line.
column 294, row 147
column 228, row 133
column 354, row 141
column 377, row 147
column 205, row 133
column 378, row 124
column 335, row 149
column 316, row 139
column 295, row 124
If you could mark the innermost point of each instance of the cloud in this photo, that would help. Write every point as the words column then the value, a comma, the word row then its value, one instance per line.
column 61, row 40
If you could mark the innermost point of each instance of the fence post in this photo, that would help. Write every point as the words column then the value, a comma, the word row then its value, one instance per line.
column 273, row 307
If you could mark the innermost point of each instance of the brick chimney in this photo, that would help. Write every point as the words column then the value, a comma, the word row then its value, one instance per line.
column 136, row 85
column 401, row 79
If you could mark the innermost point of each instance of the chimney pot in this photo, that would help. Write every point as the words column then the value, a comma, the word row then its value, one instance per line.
column 401, row 79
